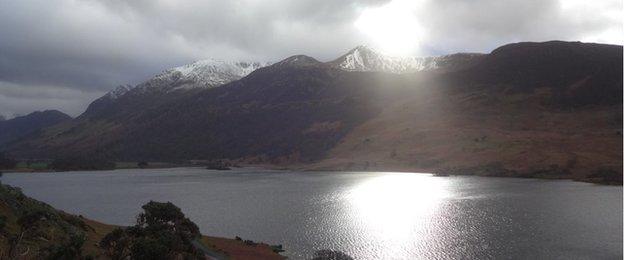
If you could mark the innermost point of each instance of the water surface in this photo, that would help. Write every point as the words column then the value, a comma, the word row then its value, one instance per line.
column 366, row 215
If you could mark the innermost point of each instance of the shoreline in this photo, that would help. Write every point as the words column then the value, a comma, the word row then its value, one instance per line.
column 308, row 169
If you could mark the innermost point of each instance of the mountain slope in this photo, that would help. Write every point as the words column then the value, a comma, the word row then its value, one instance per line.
column 549, row 109
column 13, row 129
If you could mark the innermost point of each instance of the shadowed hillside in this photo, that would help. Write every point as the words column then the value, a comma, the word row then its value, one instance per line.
column 13, row 129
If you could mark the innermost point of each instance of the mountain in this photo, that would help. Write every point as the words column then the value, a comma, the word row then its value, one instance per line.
column 284, row 111
column 363, row 58
column 170, row 84
column 180, row 81
column 551, row 109
column 13, row 129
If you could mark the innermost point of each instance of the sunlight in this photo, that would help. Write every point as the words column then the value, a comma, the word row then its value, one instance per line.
column 392, row 27
column 392, row 206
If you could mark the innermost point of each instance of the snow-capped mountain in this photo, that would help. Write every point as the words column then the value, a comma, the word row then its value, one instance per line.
column 200, row 74
column 212, row 73
column 363, row 58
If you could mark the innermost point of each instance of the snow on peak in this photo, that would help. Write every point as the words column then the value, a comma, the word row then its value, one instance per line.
column 201, row 74
column 118, row 91
column 363, row 58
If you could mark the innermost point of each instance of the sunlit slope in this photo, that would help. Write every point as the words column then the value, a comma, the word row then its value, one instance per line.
column 554, row 120
column 484, row 130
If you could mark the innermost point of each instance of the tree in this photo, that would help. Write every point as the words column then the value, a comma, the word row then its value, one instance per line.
column 166, row 216
column 161, row 232
column 142, row 165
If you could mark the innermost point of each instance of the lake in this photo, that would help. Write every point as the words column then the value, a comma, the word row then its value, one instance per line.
column 368, row 215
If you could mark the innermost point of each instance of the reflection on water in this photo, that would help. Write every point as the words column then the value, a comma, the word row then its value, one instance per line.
column 395, row 208
column 366, row 215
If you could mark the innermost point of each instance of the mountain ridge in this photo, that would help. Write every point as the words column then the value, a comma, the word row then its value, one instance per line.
column 213, row 73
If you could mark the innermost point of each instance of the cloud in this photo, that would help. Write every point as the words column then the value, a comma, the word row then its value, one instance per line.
column 20, row 100
column 86, row 47
column 449, row 26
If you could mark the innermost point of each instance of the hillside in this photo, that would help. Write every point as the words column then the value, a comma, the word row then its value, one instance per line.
column 551, row 109
column 18, row 127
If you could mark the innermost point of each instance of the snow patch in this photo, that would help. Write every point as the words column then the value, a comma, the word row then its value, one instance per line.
column 201, row 74
column 363, row 58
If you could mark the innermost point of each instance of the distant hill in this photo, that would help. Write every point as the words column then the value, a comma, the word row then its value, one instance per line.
column 13, row 129
column 551, row 109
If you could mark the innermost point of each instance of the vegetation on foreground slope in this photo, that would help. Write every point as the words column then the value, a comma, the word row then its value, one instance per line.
column 30, row 229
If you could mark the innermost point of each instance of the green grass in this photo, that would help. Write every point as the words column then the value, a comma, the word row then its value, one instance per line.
column 32, row 165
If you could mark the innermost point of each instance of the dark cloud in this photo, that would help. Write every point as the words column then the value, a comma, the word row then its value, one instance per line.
column 62, row 54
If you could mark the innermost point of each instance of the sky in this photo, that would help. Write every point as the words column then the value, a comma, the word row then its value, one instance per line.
column 63, row 54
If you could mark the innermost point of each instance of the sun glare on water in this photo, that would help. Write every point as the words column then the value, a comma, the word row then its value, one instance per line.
column 395, row 208
column 392, row 27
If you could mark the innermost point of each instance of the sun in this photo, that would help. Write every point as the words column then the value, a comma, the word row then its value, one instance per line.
column 392, row 27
